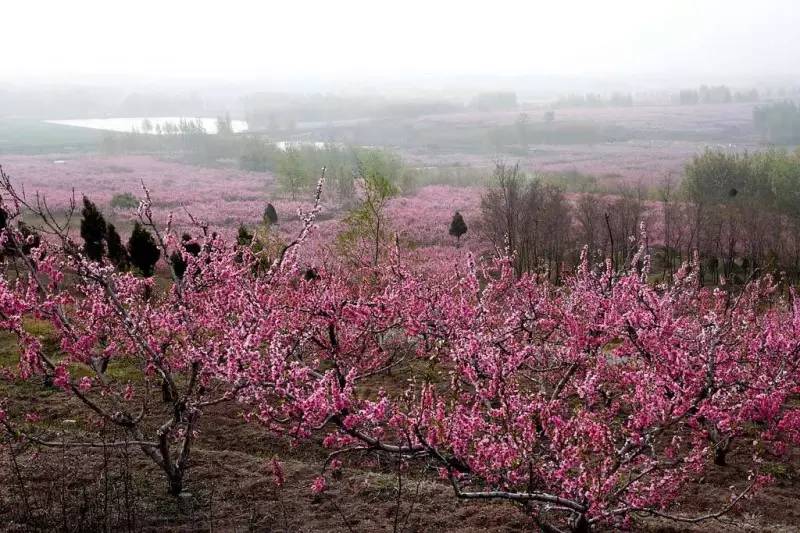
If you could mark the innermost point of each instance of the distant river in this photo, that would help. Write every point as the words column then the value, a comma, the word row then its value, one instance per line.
column 128, row 124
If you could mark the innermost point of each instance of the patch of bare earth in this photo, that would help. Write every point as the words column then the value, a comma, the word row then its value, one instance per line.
column 232, row 488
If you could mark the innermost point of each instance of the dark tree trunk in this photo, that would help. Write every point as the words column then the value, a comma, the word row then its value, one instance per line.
column 581, row 525
column 721, row 451
column 166, row 392
column 720, row 456
column 176, row 482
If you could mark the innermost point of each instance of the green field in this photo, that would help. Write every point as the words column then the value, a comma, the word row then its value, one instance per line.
column 27, row 136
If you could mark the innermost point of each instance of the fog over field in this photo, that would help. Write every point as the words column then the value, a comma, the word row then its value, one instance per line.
column 399, row 265
column 356, row 42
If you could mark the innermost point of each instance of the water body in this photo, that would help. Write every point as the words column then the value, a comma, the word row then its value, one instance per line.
column 285, row 145
column 128, row 124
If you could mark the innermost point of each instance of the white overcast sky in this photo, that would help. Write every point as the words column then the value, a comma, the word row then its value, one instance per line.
column 236, row 39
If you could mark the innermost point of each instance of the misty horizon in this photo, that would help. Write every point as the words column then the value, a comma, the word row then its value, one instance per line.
column 327, row 45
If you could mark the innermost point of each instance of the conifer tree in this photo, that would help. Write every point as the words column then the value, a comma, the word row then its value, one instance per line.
column 116, row 251
column 457, row 226
column 176, row 258
column 270, row 215
column 93, row 230
column 244, row 237
column 143, row 251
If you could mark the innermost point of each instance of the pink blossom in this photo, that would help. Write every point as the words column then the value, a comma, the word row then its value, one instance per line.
column 277, row 472
column 85, row 384
column 319, row 485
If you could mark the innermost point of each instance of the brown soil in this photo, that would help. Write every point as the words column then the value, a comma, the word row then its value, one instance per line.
column 232, row 489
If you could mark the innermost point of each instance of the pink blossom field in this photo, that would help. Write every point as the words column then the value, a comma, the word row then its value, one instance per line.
column 664, row 138
column 225, row 198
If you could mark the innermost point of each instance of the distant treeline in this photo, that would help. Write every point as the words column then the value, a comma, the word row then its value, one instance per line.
column 705, row 94
column 716, row 94
column 616, row 99
column 739, row 212
column 282, row 111
column 778, row 122
column 547, row 231
column 288, row 112
column 297, row 166
column 187, row 138
column 298, row 170
column 525, row 131
column 495, row 101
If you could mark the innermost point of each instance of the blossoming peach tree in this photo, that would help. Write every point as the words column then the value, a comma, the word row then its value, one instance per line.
column 588, row 403
column 599, row 400
column 106, row 320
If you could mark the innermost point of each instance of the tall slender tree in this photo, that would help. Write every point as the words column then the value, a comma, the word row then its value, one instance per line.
column 458, row 227
column 93, row 230
column 270, row 215
column 117, row 253
column 143, row 251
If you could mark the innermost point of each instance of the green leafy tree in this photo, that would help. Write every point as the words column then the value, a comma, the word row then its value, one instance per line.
column 224, row 125
column 367, row 224
column 292, row 175
column 143, row 251
column 93, row 230
column 124, row 200
column 778, row 122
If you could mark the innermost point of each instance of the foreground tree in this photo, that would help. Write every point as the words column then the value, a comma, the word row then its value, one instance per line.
column 587, row 404
column 102, row 318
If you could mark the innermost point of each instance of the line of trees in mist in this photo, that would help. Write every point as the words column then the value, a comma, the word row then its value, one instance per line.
column 297, row 170
column 615, row 99
column 548, row 219
column 385, row 122
column 716, row 94
column 705, row 94
column 739, row 212
column 285, row 112
column 778, row 122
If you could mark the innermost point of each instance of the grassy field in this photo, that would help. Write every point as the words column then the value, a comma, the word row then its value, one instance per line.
column 27, row 136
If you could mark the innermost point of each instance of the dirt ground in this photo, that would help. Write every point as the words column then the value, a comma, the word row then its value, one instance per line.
column 232, row 488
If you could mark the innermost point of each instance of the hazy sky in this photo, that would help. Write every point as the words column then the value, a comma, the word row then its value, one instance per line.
column 236, row 39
